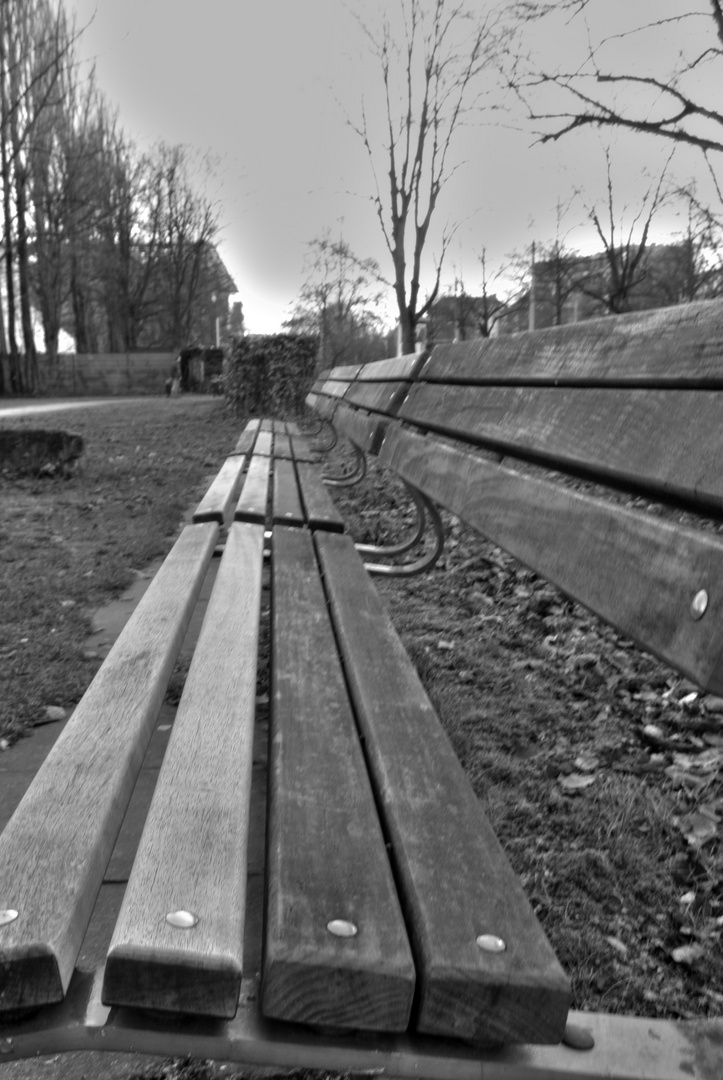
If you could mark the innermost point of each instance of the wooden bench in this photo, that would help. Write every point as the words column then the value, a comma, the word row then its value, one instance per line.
column 396, row 938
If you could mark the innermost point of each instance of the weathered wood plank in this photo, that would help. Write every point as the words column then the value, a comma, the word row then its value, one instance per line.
column 362, row 428
column 264, row 443
column 282, row 445
column 405, row 367
column 217, row 503
column 324, row 407
column 680, row 346
column 302, row 449
column 255, row 493
column 611, row 435
column 334, row 388
column 637, row 571
column 455, row 881
column 319, row 508
column 286, row 505
column 326, row 854
column 247, row 437
column 54, row 850
column 192, row 855
column 345, row 372
column 384, row 397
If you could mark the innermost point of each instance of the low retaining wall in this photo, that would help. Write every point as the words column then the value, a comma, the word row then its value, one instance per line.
column 109, row 374
column 102, row 374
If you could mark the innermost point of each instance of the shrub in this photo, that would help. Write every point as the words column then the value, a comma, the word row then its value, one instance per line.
column 270, row 374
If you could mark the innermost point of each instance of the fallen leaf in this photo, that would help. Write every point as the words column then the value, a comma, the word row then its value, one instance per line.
column 618, row 945
column 688, row 954
column 575, row 782
column 587, row 762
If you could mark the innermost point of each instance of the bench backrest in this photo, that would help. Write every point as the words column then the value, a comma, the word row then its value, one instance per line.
column 495, row 429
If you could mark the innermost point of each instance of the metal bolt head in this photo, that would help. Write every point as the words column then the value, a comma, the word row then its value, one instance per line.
column 491, row 943
column 342, row 928
column 699, row 605
column 182, row 920
column 7, row 915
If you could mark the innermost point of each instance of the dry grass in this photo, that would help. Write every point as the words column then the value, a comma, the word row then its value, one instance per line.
column 67, row 545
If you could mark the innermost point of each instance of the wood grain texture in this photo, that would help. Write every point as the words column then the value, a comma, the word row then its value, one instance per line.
column 345, row 372
column 405, row 367
column 334, row 388
column 217, row 503
column 263, row 446
column 247, row 437
column 302, row 449
column 255, row 493
column 664, row 442
column 193, row 852
column 326, row 857
column 325, row 407
column 54, row 850
column 455, row 881
column 679, row 346
column 384, row 397
column 286, row 501
column 282, row 446
column 636, row 571
column 362, row 428
column 319, row 509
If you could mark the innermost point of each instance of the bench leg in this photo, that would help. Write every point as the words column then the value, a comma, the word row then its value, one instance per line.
column 323, row 448
column 426, row 511
column 354, row 475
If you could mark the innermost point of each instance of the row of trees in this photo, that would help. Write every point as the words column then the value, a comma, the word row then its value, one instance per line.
column 103, row 241
column 435, row 60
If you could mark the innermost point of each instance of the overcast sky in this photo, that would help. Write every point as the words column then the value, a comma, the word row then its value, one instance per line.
column 265, row 86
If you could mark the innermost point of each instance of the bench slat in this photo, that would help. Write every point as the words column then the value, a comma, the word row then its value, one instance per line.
column 192, row 855
column 680, row 346
column 382, row 397
column 287, row 509
column 321, row 513
column 455, row 880
column 613, row 435
column 326, row 858
column 54, row 850
column 217, row 502
column 398, row 367
column 637, row 571
column 334, row 388
column 362, row 428
column 255, row 494
column 264, row 443
column 325, row 407
column 247, row 438
column 302, row 449
column 282, row 446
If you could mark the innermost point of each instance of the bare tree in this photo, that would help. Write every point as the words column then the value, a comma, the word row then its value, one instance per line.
column 693, row 268
column 339, row 304
column 624, row 248
column 671, row 103
column 430, row 76
column 491, row 307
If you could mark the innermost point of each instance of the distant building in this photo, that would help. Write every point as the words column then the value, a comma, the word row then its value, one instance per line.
column 571, row 288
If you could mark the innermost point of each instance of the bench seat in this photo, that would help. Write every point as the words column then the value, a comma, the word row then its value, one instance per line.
column 378, row 927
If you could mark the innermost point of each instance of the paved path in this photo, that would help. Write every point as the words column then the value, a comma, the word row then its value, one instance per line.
column 12, row 407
